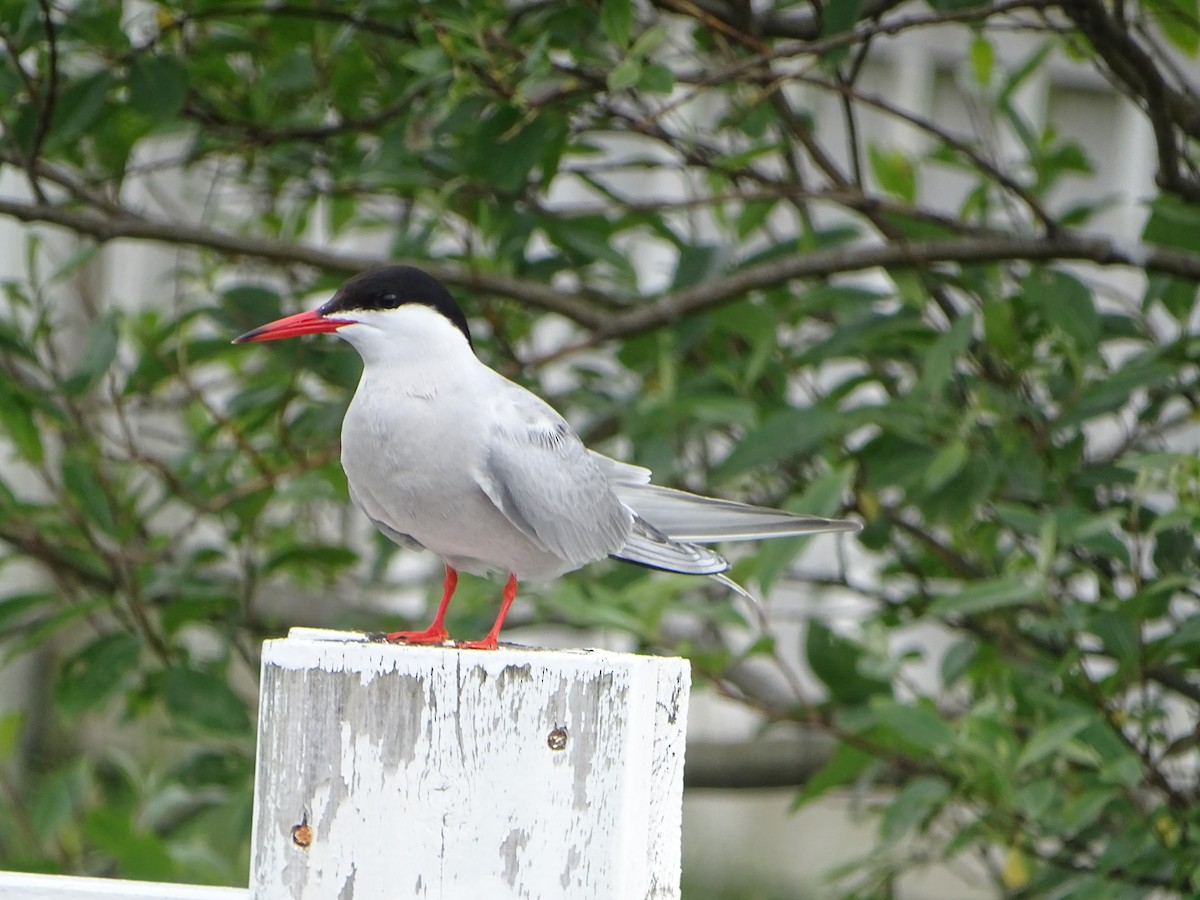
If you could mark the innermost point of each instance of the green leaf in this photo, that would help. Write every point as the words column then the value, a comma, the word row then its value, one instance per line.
column 1067, row 304
column 326, row 557
column 76, row 262
column 83, row 485
column 1177, row 295
column 18, row 424
column 1035, row 799
column 158, row 86
column 983, row 59
column 93, row 675
column 139, row 854
column 787, row 434
column 956, row 660
column 913, row 807
column 1172, row 223
column 205, row 700
column 625, row 74
column 1000, row 328
column 656, row 79
column 825, row 496
column 79, row 106
column 697, row 263
column 98, row 355
column 11, row 725
column 56, row 800
column 34, row 634
column 916, row 724
column 987, row 596
column 845, row 764
column 940, row 358
column 1186, row 636
column 291, row 73
column 1114, row 391
column 753, row 215
column 1050, row 739
column 507, row 150
column 1024, row 72
column 1179, row 21
column 208, row 767
column 894, row 171
column 1118, row 631
column 246, row 306
column 835, row 661
column 586, row 238
column 947, row 463
column 616, row 19
column 841, row 16
column 649, row 40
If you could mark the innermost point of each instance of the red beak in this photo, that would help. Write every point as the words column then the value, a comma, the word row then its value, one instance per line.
column 311, row 322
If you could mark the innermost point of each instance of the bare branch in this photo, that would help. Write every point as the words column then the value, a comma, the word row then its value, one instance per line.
column 128, row 226
column 1103, row 251
column 50, row 97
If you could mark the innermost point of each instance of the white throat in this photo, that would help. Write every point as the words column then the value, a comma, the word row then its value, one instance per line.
column 412, row 336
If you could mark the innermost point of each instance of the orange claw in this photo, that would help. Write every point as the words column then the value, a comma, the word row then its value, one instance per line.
column 436, row 632
column 490, row 642
column 431, row 635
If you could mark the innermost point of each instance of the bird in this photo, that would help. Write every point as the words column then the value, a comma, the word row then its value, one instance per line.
column 443, row 453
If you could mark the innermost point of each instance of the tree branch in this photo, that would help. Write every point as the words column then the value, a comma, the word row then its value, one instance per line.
column 676, row 306
column 128, row 226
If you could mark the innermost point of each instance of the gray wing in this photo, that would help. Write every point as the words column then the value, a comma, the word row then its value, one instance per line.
column 539, row 474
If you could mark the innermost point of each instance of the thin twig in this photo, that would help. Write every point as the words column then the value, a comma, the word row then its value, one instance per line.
column 49, row 96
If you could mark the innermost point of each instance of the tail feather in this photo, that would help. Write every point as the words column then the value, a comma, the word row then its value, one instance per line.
column 682, row 516
column 753, row 604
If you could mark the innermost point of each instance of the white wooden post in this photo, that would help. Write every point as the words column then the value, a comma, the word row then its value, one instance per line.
column 389, row 772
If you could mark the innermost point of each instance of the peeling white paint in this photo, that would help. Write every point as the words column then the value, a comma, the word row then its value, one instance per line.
column 428, row 772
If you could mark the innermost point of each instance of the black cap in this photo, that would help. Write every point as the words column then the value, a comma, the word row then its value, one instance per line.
column 389, row 287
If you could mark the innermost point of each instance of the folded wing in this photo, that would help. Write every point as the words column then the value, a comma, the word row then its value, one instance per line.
column 548, row 485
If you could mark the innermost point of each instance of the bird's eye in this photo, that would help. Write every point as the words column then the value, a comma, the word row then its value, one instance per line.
column 391, row 299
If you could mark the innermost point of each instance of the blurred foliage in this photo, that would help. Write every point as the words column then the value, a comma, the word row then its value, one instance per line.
column 1014, row 427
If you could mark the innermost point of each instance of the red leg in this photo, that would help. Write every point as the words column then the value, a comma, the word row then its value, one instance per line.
column 436, row 632
column 489, row 642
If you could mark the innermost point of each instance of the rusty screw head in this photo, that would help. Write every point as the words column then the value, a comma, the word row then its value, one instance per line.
column 302, row 834
column 557, row 739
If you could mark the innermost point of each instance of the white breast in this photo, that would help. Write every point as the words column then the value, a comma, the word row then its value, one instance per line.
column 413, row 445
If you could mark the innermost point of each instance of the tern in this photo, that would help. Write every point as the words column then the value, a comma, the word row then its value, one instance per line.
column 443, row 453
